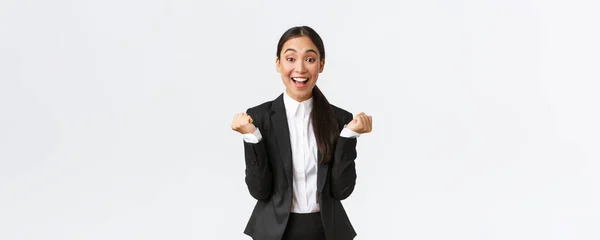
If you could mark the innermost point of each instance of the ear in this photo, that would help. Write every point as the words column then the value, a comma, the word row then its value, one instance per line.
column 322, row 65
column 277, row 66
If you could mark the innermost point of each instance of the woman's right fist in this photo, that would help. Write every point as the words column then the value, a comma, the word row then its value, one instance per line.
column 242, row 123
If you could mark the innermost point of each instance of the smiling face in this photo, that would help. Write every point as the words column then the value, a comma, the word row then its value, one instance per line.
column 299, row 65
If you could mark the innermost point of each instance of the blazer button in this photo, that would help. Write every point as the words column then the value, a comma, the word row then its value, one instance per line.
column 254, row 162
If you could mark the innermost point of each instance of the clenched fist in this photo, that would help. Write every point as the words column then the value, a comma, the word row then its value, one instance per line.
column 242, row 123
column 361, row 123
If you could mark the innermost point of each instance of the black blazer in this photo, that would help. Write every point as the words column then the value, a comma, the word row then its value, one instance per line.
column 269, row 176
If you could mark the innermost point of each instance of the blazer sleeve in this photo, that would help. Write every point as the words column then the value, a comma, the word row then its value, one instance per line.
column 343, row 173
column 259, row 178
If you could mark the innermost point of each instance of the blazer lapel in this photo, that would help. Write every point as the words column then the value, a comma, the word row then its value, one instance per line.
column 282, row 133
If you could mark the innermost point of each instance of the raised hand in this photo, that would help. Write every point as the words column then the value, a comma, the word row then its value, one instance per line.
column 242, row 123
column 361, row 123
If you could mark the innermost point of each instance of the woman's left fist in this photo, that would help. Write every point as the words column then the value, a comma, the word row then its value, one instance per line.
column 362, row 123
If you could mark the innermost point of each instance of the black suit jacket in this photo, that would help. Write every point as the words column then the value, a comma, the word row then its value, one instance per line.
column 269, row 176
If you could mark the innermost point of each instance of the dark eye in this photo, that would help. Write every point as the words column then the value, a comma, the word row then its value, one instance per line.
column 290, row 59
column 310, row 59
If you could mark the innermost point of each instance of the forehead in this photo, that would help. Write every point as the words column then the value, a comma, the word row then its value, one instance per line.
column 300, row 44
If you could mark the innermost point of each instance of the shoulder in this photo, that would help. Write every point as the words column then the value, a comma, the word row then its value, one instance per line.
column 259, row 112
column 342, row 114
column 260, row 108
column 265, row 108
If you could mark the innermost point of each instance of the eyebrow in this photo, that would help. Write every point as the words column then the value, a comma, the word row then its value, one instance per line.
column 294, row 50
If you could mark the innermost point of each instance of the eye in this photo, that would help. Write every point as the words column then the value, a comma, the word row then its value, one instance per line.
column 310, row 59
column 290, row 59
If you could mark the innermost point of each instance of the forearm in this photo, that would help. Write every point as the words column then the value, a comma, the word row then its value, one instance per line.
column 258, row 172
column 343, row 173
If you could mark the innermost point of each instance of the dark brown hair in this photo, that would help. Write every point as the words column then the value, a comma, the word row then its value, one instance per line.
column 322, row 116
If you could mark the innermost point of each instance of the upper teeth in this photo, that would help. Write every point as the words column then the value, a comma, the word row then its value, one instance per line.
column 300, row 79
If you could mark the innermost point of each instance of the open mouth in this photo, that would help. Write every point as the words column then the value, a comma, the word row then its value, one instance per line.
column 300, row 82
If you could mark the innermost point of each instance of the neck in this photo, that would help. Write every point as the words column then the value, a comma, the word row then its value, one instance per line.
column 299, row 98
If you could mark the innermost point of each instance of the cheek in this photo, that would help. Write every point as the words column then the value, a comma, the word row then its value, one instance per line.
column 314, row 71
column 286, row 69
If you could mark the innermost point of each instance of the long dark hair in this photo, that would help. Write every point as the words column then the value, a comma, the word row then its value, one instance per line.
column 322, row 116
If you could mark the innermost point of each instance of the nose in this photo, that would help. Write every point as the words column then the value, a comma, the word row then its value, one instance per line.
column 300, row 67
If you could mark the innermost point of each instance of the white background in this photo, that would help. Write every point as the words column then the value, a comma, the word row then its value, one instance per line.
column 115, row 115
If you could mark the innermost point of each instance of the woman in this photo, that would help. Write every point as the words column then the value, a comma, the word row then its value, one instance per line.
column 300, row 150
